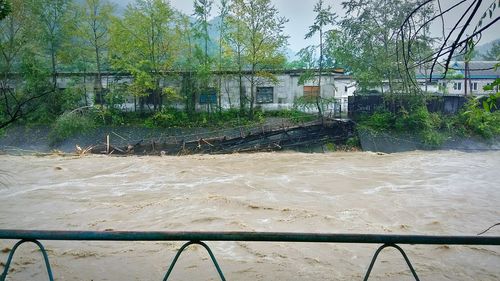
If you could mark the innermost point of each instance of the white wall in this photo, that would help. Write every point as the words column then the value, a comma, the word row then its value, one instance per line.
column 285, row 91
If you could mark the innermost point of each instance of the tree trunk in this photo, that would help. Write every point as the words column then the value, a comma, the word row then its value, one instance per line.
column 318, row 97
column 99, row 75
column 252, row 95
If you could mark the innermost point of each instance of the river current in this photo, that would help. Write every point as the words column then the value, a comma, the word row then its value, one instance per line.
column 432, row 193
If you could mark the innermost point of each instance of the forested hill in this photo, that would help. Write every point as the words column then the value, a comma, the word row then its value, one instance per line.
column 486, row 51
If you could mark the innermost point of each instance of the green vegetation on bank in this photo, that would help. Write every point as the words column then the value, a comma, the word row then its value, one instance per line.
column 477, row 118
column 81, row 121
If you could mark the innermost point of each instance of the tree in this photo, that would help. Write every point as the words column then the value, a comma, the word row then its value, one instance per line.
column 53, row 16
column 371, row 43
column 5, row 9
column 324, row 18
column 236, row 38
column 23, row 75
column 493, row 54
column 187, row 64
column 307, row 62
column 223, row 14
column 92, row 33
column 458, row 41
column 202, row 9
column 143, row 44
column 263, row 39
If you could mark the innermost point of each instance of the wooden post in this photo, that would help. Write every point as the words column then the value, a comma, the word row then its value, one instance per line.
column 107, row 144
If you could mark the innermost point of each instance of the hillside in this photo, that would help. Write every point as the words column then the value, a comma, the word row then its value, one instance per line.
column 483, row 49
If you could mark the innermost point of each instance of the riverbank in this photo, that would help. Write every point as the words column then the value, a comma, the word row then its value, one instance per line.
column 394, row 142
column 272, row 135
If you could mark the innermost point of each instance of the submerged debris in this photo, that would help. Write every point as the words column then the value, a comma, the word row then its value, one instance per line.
column 302, row 136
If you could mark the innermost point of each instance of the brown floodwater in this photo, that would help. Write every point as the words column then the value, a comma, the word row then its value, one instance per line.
column 434, row 193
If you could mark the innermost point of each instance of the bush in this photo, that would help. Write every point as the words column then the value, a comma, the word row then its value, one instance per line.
column 479, row 121
column 416, row 121
column 293, row 115
column 380, row 120
column 69, row 124
column 168, row 118
column 353, row 142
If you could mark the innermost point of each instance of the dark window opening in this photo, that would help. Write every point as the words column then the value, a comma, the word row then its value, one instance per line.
column 265, row 95
column 208, row 96
column 99, row 96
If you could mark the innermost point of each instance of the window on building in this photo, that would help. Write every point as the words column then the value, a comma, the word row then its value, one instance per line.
column 265, row 95
column 150, row 98
column 208, row 96
column 473, row 86
column 99, row 96
column 457, row 86
column 311, row 91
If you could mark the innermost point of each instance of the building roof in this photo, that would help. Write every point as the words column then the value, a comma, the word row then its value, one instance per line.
column 477, row 70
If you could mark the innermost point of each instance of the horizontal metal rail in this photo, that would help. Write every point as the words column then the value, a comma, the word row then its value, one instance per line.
column 197, row 238
column 247, row 236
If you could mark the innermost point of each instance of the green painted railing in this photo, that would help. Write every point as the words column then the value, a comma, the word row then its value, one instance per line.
column 386, row 240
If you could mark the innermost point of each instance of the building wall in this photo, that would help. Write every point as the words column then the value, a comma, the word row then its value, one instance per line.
column 456, row 86
column 285, row 91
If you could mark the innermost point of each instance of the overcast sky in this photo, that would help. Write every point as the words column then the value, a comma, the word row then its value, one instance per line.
column 300, row 13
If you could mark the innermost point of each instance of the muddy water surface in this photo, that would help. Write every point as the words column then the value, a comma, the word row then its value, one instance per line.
column 450, row 193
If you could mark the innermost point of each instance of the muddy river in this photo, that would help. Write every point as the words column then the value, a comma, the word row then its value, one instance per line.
column 435, row 193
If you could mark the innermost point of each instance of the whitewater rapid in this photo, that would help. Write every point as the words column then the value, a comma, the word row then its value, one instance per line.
column 433, row 193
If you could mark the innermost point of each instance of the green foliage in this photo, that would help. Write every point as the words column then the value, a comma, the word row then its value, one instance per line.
column 173, row 118
column 257, row 39
column 294, row 115
column 110, row 116
column 5, row 8
column 418, row 119
column 379, row 120
column 69, row 124
column 479, row 121
column 90, row 36
column 308, row 103
column 353, row 142
column 433, row 128
column 308, row 62
column 144, row 43
column 369, row 38
column 330, row 147
column 494, row 53
column 168, row 118
column 491, row 102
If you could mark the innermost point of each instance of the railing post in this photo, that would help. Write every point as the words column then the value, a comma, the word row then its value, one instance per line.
column 375, row 256
column 13, row 251
column 174, row 261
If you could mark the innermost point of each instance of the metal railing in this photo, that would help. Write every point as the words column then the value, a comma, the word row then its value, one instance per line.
column 35, row 236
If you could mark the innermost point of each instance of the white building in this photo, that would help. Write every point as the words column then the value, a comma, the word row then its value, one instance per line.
column 281, row 94
column 478, row 74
